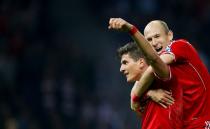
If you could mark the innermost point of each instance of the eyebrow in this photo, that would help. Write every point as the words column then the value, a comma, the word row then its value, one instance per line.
column 123, row 61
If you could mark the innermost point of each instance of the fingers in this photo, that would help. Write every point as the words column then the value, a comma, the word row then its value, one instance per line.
column 116, row 23
column 134, row 106
column 162, row 97
column 167, row 102
column 167, row 92
column 162, row 104
column 169, row 98
column 112, row 23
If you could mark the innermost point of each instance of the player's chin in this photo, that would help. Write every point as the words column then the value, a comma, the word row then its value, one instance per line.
column 130, row 80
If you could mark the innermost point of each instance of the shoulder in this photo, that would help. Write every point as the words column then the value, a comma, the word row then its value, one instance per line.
column 179, row 45
column 179, row 42
column 180, row 49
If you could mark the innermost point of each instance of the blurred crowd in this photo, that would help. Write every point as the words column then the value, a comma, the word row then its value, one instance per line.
column 48, row 80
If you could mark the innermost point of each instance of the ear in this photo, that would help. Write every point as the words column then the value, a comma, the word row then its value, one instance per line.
column 170, row 35
column 142, row 63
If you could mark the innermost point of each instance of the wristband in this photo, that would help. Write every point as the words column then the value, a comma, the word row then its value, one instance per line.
column 135, row 98
column 133, row 30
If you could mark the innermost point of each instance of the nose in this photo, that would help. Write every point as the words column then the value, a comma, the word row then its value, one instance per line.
column 122, row 68
column 154, row 42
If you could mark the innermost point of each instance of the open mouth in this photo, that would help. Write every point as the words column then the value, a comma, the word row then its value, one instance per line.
column 159, row 49
column 125, row 74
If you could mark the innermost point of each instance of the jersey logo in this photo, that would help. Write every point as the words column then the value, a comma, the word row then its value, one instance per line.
column 207, row 124
column 168, row 49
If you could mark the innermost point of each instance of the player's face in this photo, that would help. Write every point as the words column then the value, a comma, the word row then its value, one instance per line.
column 157, row 37
column 130, row 68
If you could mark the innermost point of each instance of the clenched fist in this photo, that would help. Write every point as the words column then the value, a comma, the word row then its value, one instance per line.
column 119, row 24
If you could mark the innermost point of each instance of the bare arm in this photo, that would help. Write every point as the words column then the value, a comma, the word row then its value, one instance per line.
column 151, row 56
column 147, row 77
column 162, row 97
column 143, row 84
column 157, row 65
column 140, row 87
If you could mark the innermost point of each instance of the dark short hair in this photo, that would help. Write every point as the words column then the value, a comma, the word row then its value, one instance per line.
column 132, row 49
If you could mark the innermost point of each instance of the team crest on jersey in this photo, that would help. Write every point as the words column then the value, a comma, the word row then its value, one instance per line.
column 207, row 124
column 168, row 49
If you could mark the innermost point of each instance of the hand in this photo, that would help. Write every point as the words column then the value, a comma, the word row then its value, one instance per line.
column 135, row 106
column 135, row 100
column 119, row 24
column 161, row 97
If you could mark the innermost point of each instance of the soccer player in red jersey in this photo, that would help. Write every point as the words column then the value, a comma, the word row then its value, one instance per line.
column 181, row 55
column 154, row 116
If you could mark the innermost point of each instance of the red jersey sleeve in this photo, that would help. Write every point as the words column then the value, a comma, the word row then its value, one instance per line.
column 180, row 49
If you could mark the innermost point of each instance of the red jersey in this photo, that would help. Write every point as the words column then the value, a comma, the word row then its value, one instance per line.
column 195, row 81
column 157, row 117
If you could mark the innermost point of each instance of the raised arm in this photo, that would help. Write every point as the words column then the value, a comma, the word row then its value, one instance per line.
column 160, row 96
column 148, row 76
column 157, row 65
column 151, row 56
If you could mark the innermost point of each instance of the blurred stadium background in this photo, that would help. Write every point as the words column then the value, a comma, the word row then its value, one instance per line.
column 58, row 66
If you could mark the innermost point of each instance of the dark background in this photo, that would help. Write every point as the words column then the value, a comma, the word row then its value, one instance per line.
column 58, row 64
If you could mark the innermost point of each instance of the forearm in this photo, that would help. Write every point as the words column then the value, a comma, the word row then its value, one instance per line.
column 149, row 53
column 143, row 84
column 152, row 58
